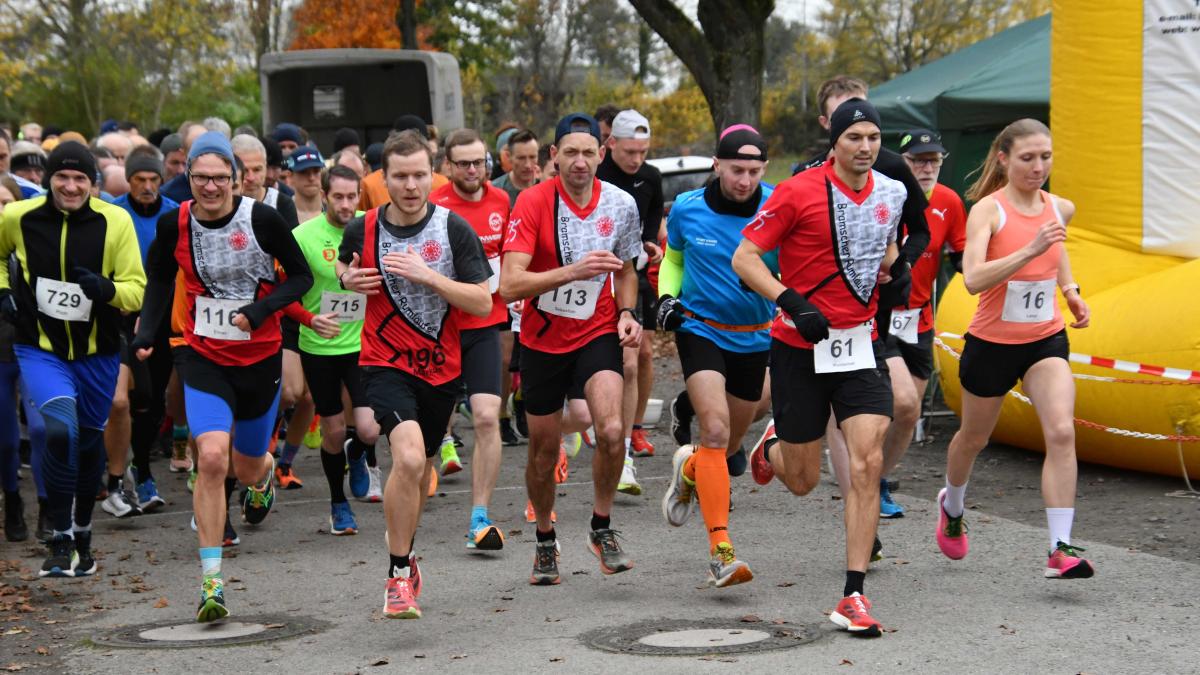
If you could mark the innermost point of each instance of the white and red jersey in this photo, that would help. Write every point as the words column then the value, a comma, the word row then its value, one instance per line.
column 831, row 242
column 548, row 226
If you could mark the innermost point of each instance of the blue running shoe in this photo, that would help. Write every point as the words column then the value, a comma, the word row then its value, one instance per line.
column 147, row 496
column 341, row 520
column 360, row 480
column 888, row 508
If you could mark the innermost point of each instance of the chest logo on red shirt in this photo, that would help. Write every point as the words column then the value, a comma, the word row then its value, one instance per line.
column 238, row 241
column 882, row 213
column 495, row 221
column 431, row 251
column 605, row 226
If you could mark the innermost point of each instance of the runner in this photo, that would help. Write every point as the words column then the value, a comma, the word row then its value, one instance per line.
column 226, row 247
column 77, row 269
column 722, row 334
column 253, row 154
column 422, row 268
column 1014, row 260
column 329, row 350
column 305, row 164
column 565, row 238
column 374, row 187
column 835, row 228
column 485, row 207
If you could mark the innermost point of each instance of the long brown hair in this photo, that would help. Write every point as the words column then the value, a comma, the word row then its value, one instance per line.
column 991, row 174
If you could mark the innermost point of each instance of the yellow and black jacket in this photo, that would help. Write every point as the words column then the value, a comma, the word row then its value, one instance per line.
column 49, row 244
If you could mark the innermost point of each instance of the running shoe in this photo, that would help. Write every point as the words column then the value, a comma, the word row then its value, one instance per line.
column 400, row 599
column 15, row 528
column 375, row 489
column 85, row 562
column 231, row 537
column 62, row 559
column 681, row 421
column 531, row 516
column 360, row 478
column 562, row 467
column 951, row 532
column 464, row 409
column 433, row 484
column 725, row 569
column 287, row 478
column 212, row 599
column 341, row 520
column 587, row 435
column 508, row 437
column 678, row 502
column 516, row 411
column 642, row 447
column 147, row 496
column 1065, row 563
column 604, row 545
column 572, row 443
column 313, row 437
column 180, row 462
column 877, row 550
column 888, row 508
column 545, row 564
column 257, row 500
column 458, row 441
column 485, row 536
column 737, row 463
column 191, row 480
column 450, row 461
column 629, row 484
column 44, row 531
column 121, row 503
column 854, row 614
column 760, row 468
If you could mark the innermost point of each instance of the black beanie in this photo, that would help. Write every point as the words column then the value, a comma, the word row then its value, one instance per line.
column 406, row 122
column 851, row 112
column 70, row 156
column 343, row 138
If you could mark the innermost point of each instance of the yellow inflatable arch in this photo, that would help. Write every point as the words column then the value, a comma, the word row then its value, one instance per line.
column 1125, row 115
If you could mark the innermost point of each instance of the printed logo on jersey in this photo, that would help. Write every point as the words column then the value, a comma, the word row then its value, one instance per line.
column 431, row 251
column 861, row 233
column 495, row 221
column 329, row 254
column 760, row 219
column 513, row 226
column 239, row 240
column 605, row 227
column 882, row 213
column 940, row 213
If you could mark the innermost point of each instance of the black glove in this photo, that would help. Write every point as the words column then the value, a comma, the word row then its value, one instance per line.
column 96, row 287
column 8, row 305
column 670, row 313
column 895, row 292
column 810, row 323
column 956, row 260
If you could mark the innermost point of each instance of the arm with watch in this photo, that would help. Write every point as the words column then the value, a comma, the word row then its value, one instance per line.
column 1070, row 290
column 625, row 282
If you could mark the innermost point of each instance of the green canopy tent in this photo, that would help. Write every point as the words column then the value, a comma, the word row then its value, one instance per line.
column 968, row 96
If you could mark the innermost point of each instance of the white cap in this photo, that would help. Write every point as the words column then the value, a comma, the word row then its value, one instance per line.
column 630, row 124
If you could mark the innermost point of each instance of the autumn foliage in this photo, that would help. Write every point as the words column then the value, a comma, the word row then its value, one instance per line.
column 332, row 24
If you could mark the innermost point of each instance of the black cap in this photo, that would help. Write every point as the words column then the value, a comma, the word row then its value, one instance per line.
column 70, row 156
column 344, row 137
column 918, row 141
column 577, row 123
column 406, row 122
column 851, row 112
column 738, row 136
column 374, row 155
column 286, row 131
column 274, row 153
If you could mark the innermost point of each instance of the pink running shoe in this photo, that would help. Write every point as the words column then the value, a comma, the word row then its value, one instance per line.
column 951, row 532
column 1064, row 563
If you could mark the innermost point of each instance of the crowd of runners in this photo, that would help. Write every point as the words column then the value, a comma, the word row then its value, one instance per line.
column 233, row 298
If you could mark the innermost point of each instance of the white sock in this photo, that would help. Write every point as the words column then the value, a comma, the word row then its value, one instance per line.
column 76, row 527
column 628, row 450
column 953, row 503
column 1059, row 521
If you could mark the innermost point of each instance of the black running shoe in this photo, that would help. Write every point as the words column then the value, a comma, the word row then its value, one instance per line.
column 681, row 418
column 14, row 518
column 62, row 559
column 508, row 437
column 86, row 564
column 44, row 532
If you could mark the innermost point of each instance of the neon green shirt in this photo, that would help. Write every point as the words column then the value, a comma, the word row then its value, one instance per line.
column 319, row 241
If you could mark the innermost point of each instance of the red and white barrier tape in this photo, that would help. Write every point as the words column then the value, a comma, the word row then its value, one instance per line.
column 1182, row 375
column 1082, row 422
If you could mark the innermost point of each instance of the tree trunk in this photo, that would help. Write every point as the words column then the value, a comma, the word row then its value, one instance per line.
column 724, row 55
column 406, row 20
column 643, row 67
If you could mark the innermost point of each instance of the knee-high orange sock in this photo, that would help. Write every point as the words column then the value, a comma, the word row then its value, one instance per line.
column 712, row 485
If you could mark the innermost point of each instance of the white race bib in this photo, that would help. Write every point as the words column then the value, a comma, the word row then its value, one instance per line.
column 62, row 300
column 494, row 280
column 1029, row 301
column 350, row 307
column 905, row 323
column 576, row 300
column 214, row 318
column 845, row 350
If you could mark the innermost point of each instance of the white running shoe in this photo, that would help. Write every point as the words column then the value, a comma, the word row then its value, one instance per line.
column 120, row 503
column 679, row 500
column 375, row 489
column 628, row 483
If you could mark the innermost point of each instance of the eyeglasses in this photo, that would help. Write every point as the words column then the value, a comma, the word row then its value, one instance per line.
column 465, row 164
column 931, row 163
column 201, row 181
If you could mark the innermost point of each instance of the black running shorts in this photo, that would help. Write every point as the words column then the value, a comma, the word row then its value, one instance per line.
column 801, row 397
column 743, row 373
column 549, row 379
column 989, row 369
column 397, row 396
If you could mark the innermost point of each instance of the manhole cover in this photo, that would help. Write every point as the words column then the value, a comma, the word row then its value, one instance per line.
column 686, row 637
column 242, row 631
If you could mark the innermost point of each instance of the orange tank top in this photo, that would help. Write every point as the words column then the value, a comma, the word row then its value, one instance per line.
column 1024, row 307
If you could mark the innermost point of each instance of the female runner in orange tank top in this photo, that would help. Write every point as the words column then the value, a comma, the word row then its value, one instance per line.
column 1015, row 260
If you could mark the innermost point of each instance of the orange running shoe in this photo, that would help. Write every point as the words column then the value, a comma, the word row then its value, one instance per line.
column 531, row 517
column 287, row 479
column 433, row 483
column 562, row 468
column 641, row 446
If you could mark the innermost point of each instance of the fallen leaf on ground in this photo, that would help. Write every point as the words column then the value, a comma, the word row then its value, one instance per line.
column 557, row 659
column 749, row 618
column 786, row 584
column 15, row 631
column 846, row 662
column 275, row 625
column 162, row 602
column 42, row 650
column 384, row 661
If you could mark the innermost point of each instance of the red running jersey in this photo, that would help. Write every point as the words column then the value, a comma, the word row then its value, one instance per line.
column 947, row 220
column 487, row 217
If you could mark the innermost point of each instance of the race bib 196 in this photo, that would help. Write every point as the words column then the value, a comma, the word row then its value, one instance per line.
column 1029, row 301
column 576, row 300
column 905, row 323
column 350, row 307
column 62, row 300
column 214, row 318
column 494, row 280
column 844, row 350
